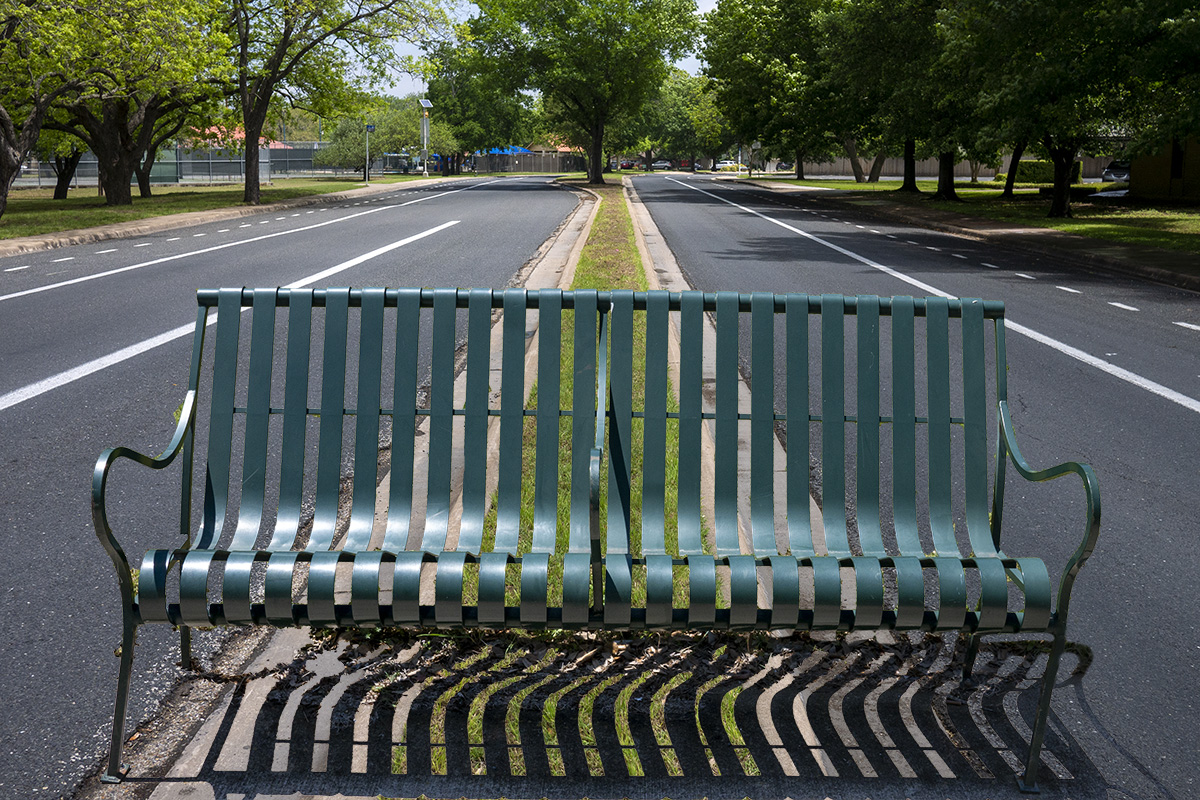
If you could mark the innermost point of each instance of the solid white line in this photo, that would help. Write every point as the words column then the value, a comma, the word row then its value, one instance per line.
column 1123, row 306
column 1188, row 325
column 216, row 247
column 33, row 390
column 1104, row 366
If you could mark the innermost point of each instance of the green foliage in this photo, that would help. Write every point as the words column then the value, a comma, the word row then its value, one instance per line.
column 397, row 130
column 1033, row 171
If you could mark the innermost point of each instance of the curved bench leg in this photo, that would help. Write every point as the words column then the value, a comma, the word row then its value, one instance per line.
column 185, row 647
column 116, row 770
column 1027, row 782
column 972, row 652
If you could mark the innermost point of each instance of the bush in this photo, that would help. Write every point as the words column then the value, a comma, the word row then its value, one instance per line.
column 1039, row 172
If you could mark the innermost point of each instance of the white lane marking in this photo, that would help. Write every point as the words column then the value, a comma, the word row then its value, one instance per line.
column 174, row 239
column 33, row 390
column 958, row 255
column 196, row 235
column 1123, row 306
column 109, row 250
column 1068, row 289
column 1026, row 277
column 144, row 244
column 1189, row 403
column 934, row 249
column 264, row 222
column 60, row 260
column 214, row 248
column 18, row 269
column 244, row 225
column 1188, row 325
column 223, row 230
column 990, row 266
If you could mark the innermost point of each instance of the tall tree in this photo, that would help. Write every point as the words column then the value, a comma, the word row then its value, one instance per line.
column 1052, row 71
column 593, row 60
column 763, row 59
column 48, row 51
column 320, row 54
column 472, row 94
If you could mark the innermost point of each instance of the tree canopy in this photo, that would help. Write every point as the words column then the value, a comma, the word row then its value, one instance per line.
column 593, row 61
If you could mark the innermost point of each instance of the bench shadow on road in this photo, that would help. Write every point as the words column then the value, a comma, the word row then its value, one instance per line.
column 569, row 717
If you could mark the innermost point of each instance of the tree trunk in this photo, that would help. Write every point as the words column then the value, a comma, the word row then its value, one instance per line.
column 254, row 128
column 1013, row 164
column 595, row 167
column 64, row 172
column 910, row 168
column 143, row 170
column 855, row 165
column 946, row 191
column 1063, row 158
column 877, row 167
column 799, row 165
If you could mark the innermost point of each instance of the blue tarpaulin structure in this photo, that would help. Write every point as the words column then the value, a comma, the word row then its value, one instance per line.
column 510, row 150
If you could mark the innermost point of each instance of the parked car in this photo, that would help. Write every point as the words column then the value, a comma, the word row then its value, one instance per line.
column 724, row 165
column 1116, row 171
column 627, row 164
column 784, row 166
column 661, row 164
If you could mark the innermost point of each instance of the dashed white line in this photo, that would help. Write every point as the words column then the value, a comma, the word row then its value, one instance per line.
column 1123, row 307
column 223, row 230
column 264, row 222
column 143, row 244
column 59, row 260
column 934, row 249
column 244, row 225
column 910, row 241
column 958, row 255
column 174, row 239
column 990, row 266
column 1188, row 325
column 1068, row 289
column 1190, row 403
column 16, row 269
column 196, row 235
column 1026, row 277
column 102, row 252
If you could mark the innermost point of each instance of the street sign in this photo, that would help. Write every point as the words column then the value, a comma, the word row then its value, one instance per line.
column 370, row 129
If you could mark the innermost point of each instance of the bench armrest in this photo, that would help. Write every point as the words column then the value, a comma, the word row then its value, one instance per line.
column 187, row 418
column 1008, row 442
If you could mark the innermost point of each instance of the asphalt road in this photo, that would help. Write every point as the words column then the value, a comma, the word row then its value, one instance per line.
column 1102, row 369
column 95, row 343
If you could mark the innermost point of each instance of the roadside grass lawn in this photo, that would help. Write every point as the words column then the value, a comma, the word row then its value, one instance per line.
column 1166, row 225
column 32, row 212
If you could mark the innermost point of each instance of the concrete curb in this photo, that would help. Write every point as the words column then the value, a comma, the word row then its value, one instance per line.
column 141, row 227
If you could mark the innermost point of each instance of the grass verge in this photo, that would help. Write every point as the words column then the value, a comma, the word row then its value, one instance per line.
column 33, row 212
column 1165, row 225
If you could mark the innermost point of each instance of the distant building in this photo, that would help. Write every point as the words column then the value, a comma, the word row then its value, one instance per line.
column 1174, row 172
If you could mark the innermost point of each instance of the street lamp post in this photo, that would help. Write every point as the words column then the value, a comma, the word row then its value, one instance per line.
column 425, row 106
column 367, row 168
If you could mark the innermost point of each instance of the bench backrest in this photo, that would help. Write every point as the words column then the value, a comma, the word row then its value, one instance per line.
column 281, row 377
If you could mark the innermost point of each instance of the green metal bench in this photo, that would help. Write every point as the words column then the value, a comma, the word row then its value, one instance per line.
column 681, row 557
